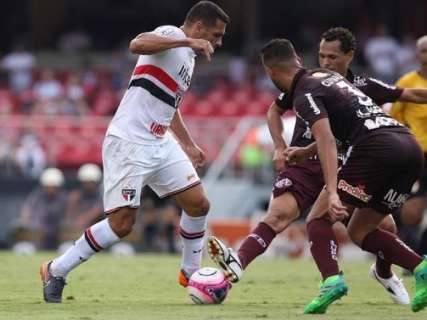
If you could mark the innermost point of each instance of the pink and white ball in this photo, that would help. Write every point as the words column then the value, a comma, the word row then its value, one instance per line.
column 208, row 286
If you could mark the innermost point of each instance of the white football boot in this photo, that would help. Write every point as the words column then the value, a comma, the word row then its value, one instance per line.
column 393, row 285
column 225, row 258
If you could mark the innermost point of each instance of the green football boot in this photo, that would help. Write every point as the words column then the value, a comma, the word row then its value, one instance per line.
column 331, row 289
column 419, row 301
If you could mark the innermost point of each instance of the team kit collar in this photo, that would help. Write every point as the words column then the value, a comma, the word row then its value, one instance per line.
column 297, row 76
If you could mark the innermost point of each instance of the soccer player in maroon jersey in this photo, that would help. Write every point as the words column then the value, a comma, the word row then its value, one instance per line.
column 335, row 110
column 336, row 51
column 297, row 186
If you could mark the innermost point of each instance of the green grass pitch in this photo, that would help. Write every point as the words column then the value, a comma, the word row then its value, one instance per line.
column 145, row 287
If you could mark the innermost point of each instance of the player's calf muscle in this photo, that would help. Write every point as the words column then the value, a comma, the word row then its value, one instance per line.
column 122, row 221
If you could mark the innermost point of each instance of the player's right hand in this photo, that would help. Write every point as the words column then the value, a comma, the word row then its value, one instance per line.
column 203, row 46
column 336, row 209
column 279, row 159
column 295, row 155
column 196, row 155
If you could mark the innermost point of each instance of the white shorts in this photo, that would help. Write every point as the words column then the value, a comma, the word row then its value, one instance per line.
column 128, row 167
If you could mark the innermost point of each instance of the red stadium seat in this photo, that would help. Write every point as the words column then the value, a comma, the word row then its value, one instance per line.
column 265, row 97
column 241, row 97
column 230, row 109
column 105, row 103
column 8, row 104
column 216, row 97
column 188, row 103
column 203, row 108
column 256, row 108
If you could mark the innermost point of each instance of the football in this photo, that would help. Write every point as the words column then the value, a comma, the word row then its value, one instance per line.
column 208, row 286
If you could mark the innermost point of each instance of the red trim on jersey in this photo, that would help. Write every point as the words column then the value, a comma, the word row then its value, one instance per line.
column 157, row 73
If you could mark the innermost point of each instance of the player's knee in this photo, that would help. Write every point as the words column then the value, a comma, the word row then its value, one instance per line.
column 412, row 213
column 279, row 219
column 388, row 224
column 199, row 207
column 356, row 236
column 122, row 221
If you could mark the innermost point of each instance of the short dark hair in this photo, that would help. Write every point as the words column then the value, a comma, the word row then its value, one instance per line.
column 344, row 36
column 278, row 52
column 208, row 12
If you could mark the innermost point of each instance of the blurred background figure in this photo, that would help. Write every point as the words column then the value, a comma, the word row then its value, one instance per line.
column 159, row 222
column 44, row 210
column 84, row 204
column 19, row 63
column 414, row 116
column 381, row 53
column 30, row 156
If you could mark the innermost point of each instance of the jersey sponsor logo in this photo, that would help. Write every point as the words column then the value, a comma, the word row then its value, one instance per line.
column 369, row 111
column 313, row 104
column 379, row 122
column 128, row 194
column 356, row 192
column 283, row 183
column 184, row 74
column 158, row 130
column 359, row 81
column 394, row 199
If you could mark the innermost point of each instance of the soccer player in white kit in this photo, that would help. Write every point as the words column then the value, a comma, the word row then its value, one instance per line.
column 139, row 150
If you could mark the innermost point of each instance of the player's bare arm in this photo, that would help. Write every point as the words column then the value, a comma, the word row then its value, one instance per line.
column 296, row 155
column 148, row 43
column 275, row 125
column 327, row 152
column 195, row 153
column 414, row 95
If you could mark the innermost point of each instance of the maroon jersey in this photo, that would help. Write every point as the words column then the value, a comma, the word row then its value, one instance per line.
column 377, row 90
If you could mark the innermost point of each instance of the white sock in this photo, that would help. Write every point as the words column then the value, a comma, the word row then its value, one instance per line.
column 96, row 238
column 192, row 231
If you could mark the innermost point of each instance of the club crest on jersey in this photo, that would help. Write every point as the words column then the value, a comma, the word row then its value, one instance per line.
column 283, row 183
column 128, row 194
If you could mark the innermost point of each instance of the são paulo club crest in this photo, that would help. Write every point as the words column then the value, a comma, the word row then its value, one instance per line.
column 128, row 194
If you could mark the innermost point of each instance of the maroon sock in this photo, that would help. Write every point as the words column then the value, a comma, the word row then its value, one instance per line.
column 389, row 247
column 256, row 243
column 383, row 268
column 323, row 246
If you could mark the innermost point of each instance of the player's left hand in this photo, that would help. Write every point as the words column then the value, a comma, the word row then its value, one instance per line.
column 196, row 155
column 336, row 209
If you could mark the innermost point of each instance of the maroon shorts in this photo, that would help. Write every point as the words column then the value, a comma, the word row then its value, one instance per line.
column 304, row 181
column 380, row 170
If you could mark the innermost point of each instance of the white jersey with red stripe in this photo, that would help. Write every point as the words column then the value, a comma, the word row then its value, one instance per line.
column 155, row 92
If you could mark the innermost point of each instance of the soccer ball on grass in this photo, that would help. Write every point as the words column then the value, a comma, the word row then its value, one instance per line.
column 208, row 286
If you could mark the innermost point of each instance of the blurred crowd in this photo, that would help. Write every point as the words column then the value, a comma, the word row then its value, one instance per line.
column 52, row 215
column 239, row 89
column 27, row 87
